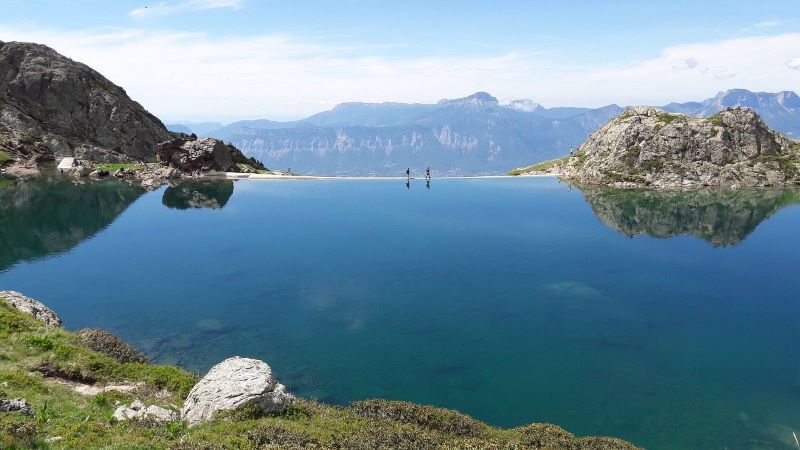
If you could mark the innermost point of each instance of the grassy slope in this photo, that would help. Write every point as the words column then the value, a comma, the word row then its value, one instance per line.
column 538, row 167
column 87, row 422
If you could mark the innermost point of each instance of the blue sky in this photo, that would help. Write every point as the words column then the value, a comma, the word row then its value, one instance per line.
column 229, row 59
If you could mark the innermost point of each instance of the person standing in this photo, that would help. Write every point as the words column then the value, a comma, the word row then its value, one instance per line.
column 408, row 172
column 428, row 173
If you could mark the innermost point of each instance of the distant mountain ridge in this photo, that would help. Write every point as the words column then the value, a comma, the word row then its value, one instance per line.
column 780, row 110
column 476, row 134
column 463, row 136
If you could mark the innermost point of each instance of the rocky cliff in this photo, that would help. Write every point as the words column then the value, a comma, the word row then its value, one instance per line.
column 52, row 106
column 648, row 147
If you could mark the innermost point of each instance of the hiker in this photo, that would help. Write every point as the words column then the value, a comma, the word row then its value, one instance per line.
column 428, row 173
column 408, row 173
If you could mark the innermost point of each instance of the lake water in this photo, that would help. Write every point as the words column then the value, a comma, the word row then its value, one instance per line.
column 671, row 320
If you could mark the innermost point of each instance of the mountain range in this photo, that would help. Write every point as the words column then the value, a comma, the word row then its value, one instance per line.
column 465, row 136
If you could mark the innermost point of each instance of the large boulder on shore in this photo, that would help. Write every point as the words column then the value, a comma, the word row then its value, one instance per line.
column 190, row 154
column 648, row 147
column 232, row 384
column 33, row 307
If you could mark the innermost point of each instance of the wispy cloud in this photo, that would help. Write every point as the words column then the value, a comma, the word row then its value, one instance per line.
column 767, row 24
column 167, row 8
column 274, row 75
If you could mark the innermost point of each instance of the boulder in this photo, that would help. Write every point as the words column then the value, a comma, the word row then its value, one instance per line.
column 191, row 155
column 137, row 411
column 232, row 384
column 15, row 405
column 33, row 307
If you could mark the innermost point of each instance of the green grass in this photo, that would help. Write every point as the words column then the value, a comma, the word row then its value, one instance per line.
column 667, row 117
column 87, row 422
column 538, row 167
column 5, row 157
column 113, row 167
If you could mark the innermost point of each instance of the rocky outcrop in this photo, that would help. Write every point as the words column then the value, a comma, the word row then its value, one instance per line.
column 106, row 343
column 30, row 306
column 232, row 384
column 16, row 405
column 190, row 154
column 719, row 217
column 137, row 411
column 52, row 107
column 647, row 147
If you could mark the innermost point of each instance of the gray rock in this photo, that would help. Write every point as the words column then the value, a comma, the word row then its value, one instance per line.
column 160, row 414
column 137, row 411
column 54, row 107
column 190, row 155
column 33, row 307
column 16, row 405
column 231, row 384
column 648, row 147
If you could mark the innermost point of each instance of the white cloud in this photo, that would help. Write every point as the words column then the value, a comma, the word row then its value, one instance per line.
column 165, row 8
column 194, row 76
column 767, row 24
column 793, row 63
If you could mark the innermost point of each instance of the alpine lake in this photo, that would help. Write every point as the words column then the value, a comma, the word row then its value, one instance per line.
column 669, row 319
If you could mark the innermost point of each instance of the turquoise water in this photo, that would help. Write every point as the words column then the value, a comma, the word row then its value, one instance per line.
column 671, row 320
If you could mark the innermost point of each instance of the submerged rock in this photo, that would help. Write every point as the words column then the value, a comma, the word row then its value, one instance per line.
column 33, row 307
column 232, row 384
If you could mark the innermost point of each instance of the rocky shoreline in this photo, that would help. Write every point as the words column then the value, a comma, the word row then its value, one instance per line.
column 647, row 148
column 126, row 401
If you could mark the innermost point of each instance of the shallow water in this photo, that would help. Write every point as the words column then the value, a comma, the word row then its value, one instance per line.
column 671, row 320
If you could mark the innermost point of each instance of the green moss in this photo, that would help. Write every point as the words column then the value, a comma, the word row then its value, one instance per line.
column 788, row 163
column 5, row 157
column 714, row 132
column 653, row 165
column 538, row 167
column 716, row 120
column 667, row 117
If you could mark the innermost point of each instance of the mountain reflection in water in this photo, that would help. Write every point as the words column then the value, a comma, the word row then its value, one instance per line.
column 720, row 217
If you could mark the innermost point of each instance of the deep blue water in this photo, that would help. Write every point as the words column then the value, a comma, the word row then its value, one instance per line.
column 512, row 300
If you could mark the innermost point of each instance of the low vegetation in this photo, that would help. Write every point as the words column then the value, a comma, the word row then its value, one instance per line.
column 5, row 157
column 113, row 167
column 32, row 357
column 538, row 167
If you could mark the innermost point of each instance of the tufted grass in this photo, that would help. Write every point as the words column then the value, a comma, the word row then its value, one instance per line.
column 538, row 167
column 87, row 422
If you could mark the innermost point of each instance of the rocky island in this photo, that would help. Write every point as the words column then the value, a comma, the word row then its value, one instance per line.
column 52, row 107
column 646, row 147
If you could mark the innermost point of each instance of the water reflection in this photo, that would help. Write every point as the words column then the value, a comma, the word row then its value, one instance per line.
column 53, row 214
column 722, row 218
column 211, row 194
